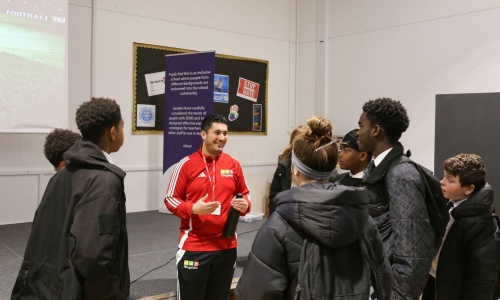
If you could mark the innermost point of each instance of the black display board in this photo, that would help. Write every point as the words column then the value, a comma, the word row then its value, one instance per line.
column 236, row 71
column 467, row 123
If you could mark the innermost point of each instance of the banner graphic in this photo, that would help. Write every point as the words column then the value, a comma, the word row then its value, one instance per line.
column 189, row 97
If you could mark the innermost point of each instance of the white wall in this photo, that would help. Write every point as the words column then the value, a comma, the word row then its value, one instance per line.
column 307, row 60
column 410, row 51
column 361, row 50
column 101, row 34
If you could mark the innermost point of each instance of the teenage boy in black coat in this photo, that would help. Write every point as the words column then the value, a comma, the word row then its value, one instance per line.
column 468, row 263
column 78, row 246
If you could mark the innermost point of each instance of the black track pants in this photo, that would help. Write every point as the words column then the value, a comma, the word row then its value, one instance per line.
column 205, row 275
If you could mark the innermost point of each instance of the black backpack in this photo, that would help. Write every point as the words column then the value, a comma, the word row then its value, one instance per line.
column 435, row 202
column 316, row 278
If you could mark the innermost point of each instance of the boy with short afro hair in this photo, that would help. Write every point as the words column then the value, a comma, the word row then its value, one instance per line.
column 397, row 200
column 56, row 143
column 468, row 263
column 93, row 118
column 78, row 246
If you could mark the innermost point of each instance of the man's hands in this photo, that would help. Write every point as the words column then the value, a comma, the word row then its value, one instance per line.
column 204, row 208
column 239, row 204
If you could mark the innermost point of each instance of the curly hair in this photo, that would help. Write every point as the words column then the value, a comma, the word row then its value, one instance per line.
column 210, row 119
column 468, row 167
column 390, row 114
column 307, row 145
column 95, row 116
column 57, row 142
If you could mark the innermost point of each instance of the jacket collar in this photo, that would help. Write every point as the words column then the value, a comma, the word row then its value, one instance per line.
column 479, row 202
column 379, row 172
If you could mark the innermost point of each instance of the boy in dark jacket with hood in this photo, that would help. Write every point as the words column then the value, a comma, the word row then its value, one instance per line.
column 468, row 263
column 78, row 247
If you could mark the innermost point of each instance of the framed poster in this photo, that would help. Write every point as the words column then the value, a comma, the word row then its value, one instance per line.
column 240, row 90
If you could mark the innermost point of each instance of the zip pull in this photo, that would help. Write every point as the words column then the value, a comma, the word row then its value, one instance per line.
column 297, row 293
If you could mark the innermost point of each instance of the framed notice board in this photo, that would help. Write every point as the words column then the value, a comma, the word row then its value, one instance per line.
column 240, row 90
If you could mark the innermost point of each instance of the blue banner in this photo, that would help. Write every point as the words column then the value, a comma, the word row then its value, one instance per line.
column 189, row 97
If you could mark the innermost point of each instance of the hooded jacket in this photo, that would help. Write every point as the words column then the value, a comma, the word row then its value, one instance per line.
column 469, row 260
column 333, row 215
column 78, row 247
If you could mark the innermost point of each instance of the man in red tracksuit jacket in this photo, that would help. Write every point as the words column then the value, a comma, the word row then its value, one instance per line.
column 201, row 191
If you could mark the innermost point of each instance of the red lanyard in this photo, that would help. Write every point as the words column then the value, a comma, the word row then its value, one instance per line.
column 212, row 182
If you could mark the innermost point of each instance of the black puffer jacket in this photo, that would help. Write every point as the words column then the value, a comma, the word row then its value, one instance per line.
column 78, row 245
column 334, row 215
column 469, row 260
column 397, row 205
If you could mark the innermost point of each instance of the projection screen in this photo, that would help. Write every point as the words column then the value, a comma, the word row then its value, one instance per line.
column 33, row 60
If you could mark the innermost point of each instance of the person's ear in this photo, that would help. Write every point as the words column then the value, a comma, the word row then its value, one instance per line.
column 112, row 132
column 203, row 134
column 363, row 156
column 376, row 130
column 60, row 165
column 470, row 189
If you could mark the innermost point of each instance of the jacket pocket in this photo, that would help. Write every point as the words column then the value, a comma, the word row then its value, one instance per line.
column 35, row 280
column 20, row 286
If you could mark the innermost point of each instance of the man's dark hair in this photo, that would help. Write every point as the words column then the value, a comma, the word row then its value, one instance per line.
column 95, row 116
column 389, row 114
column 210, row 119
column 57, row 142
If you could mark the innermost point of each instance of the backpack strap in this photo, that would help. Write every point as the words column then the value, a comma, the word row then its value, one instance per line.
column 397, row 161
column 303, row 267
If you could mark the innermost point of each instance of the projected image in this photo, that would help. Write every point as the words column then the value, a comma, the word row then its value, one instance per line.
column 33, row 75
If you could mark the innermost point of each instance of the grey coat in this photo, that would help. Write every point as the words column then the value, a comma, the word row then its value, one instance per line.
column 397, row 205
